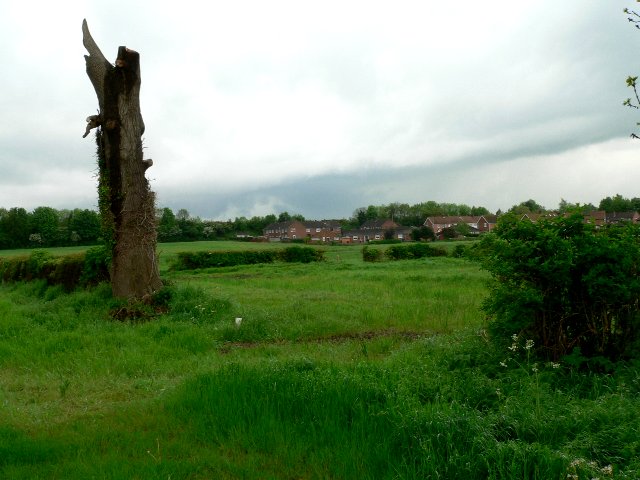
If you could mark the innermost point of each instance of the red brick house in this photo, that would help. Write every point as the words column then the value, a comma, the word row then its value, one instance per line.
column 620, row 217
column 598, row 218
column 477, row 224
column 315, row 231
column 373, row 230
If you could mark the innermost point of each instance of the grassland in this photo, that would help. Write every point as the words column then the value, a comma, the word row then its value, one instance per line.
column 341, row 369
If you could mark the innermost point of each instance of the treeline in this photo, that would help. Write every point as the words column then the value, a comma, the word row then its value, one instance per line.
column 412, row 215
column 48, row 227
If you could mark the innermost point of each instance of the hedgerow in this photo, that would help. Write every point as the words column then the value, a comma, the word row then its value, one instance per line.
column 414, row 251
column 194, row 260
column 69, row 271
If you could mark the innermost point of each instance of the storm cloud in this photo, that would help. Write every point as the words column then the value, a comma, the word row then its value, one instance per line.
column 319, row 108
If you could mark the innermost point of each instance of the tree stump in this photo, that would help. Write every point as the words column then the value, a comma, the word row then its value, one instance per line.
column 127, row 204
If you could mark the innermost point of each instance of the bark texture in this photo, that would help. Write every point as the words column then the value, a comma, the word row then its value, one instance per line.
column 127, row 204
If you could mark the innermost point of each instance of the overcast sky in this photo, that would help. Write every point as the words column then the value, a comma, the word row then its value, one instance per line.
column 318, row 108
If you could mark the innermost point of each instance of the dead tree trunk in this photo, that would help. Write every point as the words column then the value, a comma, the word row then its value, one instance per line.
column 127, row 204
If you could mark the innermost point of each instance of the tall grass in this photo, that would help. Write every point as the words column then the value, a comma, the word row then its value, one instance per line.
column 337, row 370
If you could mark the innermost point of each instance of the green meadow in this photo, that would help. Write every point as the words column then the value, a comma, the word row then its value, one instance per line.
column 338, row 369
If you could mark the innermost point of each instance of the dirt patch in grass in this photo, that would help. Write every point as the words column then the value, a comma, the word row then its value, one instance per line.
column 333, row 339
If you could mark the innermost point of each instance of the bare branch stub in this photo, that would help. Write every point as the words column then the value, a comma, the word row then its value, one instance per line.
column 96, row 63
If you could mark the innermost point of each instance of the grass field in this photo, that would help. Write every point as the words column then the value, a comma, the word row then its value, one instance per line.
column 339, row 369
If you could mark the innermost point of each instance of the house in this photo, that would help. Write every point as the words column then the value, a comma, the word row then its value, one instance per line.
column 597, row 218
column 620, row 217
column 373, row 230
column 315, row 231
column 534, row 217
column 379, row 225
column 486, row 223
column 477, row 224
column 323, row 230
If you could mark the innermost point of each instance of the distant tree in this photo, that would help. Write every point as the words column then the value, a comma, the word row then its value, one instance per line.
column 423, row 233
column 373, row 213
column 183, row 214
column 566, row 207
column 464, row 210
column 476, row 211
column 530, row 206
column 462, row 229
column 16, row 228
column 359, row 216
column 389, row 233
column 86, row 225
column 616, row 204
column 449, row 233
column 216, row 230
column 191, row 228
column 44, row 221
column 168, row 230
column 397, row 212
column 271, row 218
column 284, row 217
column 35, row 240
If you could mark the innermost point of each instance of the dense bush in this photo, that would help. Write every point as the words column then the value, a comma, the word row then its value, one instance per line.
column 371, row 254
column 565, row 285
column 414, row 251
column 459, row 251
column 193, row 260
column 69, row 271
column 301, row 254
column 96, row 266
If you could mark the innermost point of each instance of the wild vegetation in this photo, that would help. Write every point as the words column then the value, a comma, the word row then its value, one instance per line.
column 334, row 369
column 568, row 286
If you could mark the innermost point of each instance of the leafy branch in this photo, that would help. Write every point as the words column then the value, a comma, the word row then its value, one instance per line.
column 634, row 18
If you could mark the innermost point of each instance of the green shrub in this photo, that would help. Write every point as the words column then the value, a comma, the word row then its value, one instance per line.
column 414, row 251
column 301, row 254
column 193, row 260
column 565, row 285
column 371, row 254
column 40, row 264
column 69, row 271
column 96, row 266
column 459, row 251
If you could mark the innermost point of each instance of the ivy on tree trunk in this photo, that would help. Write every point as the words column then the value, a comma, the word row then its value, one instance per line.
column 127, row 204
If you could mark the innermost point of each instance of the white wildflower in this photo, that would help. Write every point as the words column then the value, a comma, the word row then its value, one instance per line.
column 529, row 345
column 238, row 321
column 534, row 368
